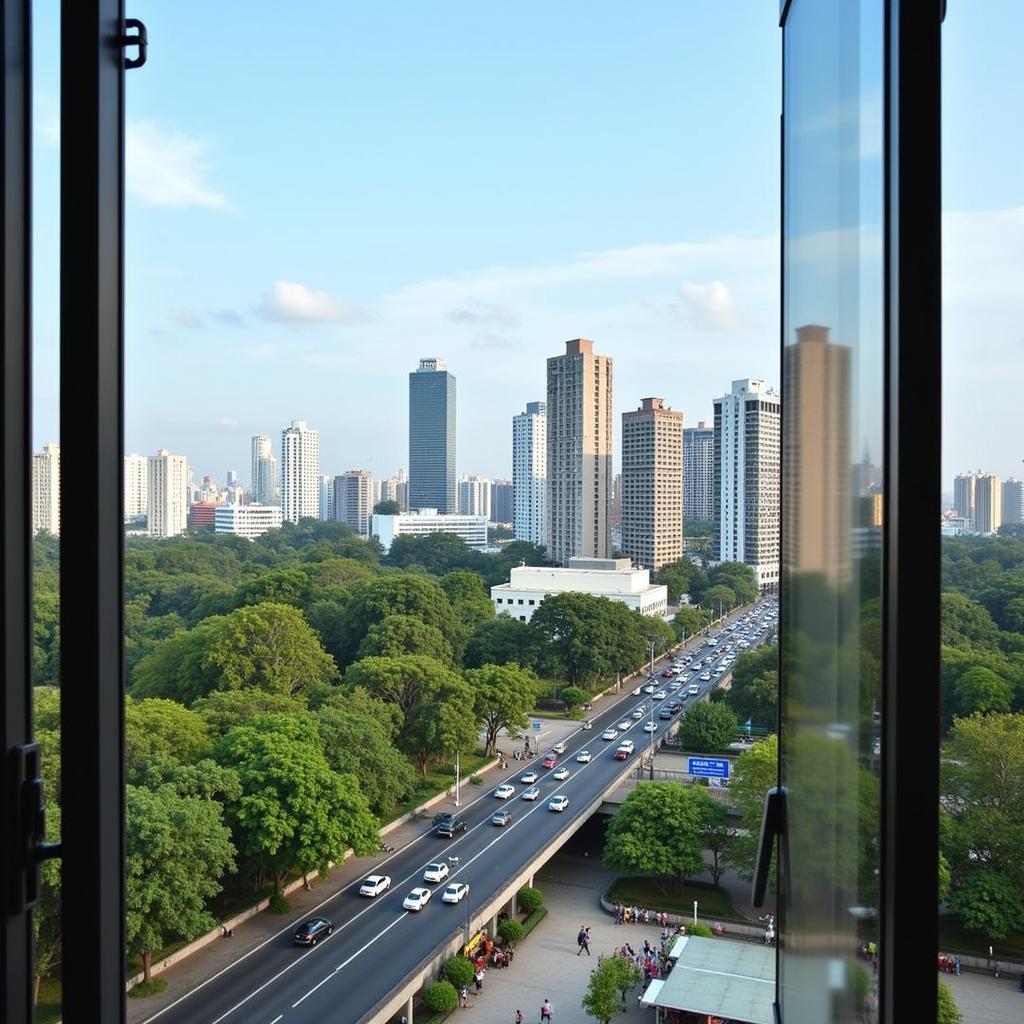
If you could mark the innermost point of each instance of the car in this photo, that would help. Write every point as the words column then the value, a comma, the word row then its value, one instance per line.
column 583, row 756
column 310, row 932
column 437, row 872
column 528, row 778
column 450, row 824
column 649, row 688
column 638, row 714
column 455, row 892
column 626, row 745
column 669, row 673
column 610, row 734
column 374, row 885
column 674, row 685
column 621, row 753
column 650, row 727
column 636, row 692
column 561, row 775
column 559, row 748
column 504, row 791
column 660, row 695
column 663, row 714
column 417, row 899
column 624, row 725
column 531, row 794
column 502, row 817
column 558, row 803
column 550, row 761
column 674, row 707
column 705, row 677
column 587, row 724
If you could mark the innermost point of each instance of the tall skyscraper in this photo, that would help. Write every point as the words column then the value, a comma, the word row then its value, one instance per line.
column 300, row 472
column 530, row 473
column 652, row 484
column 816, row 445
column 698, row 471
column 988, row 504
column 475, row 496
column 167, row 494
column 963, row 495
column 46, row 490
column 353, row 500
column 432, row 437
column 1013, row 501
column 503, row 502
column 136, row 491
column 264, row 471
column 579, row 407
column 746, row 479
column 326, row 503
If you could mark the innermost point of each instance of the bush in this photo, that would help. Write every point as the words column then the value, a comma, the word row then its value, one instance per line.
column 279, row 904
column 441, row 997
column 529, row 899
column 147, row 988
column 477, row 780
column 533, row 920
column 700, row 930
column 511, row 931
column 458, row 970
column 949, row 1012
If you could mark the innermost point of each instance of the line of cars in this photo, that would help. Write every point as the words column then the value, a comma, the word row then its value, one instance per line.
column 530, row 779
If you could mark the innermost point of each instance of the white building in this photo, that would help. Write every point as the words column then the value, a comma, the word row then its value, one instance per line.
column 988, row 504
column 475, row 496
column 263, row 479
column 471, row 530
column 249, row 521
column 300, row 472
column 698, row 471
column 530, row 473
column 353, row 500
column 46, row 490
column 136, row 491
column 395, row 488
column 746, row 479
column 326, row 496
column 167, row 498
column 614, row 578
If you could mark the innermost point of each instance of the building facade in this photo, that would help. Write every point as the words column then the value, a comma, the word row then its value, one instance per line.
column 249, row 521
column 202, row 515
column 353, row 500
column 395, row 488
column 1013, row 500
column 652, row 484
column 46, row 490
column 530, row 473
column 432, row 437
column 698, row 471
column 963, row 495
column 579, row 413
column 167, row 498
column 746, row 479
column 326, row 497
column 300, row 472
column 475, row 496
column 136, row 492
column 503, row 502
column 263, row 478
column 471, row 530
column 988, row 504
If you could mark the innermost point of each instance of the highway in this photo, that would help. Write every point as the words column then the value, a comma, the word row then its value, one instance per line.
column 375, row 942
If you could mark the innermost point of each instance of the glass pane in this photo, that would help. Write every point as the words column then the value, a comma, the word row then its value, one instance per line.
column 832, row 507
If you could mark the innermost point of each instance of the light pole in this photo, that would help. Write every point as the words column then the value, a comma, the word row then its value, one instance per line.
column 694, row 914
column 458, row 773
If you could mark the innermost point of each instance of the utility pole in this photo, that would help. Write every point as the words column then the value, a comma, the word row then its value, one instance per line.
column 458, row 774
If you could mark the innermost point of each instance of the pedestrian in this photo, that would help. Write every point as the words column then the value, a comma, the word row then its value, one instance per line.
column 581, row 941
column 479, row 979
column 519, row 1017
column 464, row 997
column 545, row 1011
column 956, row 966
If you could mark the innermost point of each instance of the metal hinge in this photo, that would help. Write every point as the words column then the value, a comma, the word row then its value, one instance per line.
column 29, row 828
column 139, row 39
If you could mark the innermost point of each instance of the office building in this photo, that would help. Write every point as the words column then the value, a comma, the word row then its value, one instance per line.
column 817, row 503
column 231, row 478
column 353, row 500
column 326, row 497
column 579, row 408
column 530, row 473
column 167, row 495
column 1013, row 501
column 395, row 488
column 963, row 495
column 613, row 578
column 503, row 502
column 432, row 437
column 652, row 484
column 300, row 472
column 988, row 504
column 135, row 489
column 474, row 496
column 202, row 515
column 471, row 530
column 698, row 471
column 263, row 475
column 46, row 490
column 249, row 521
column 746, row 479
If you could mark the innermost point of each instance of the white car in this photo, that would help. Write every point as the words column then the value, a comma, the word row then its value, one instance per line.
column 558, row 803
column 693, row 690
column 455, row 892
column 624, row 725
column 636, row 692
column 650, row 727
column 649, row 688
column 660, row 695
column 417, row 899
column 528, row 778
column 435, row 872
column 626, row 745
column 504, row 791
column 705, row 677
column 638, row 714
column 375, row 885
column 561, row 775
column 531, row 794
column 583, row 756
column 610, row 734
column 559, row 748
column 674, row 685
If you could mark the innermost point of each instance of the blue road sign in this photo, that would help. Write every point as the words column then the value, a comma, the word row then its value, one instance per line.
column 536, row 725
column 708, row 767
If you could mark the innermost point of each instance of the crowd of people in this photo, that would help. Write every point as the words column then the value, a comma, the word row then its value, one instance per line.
column 639, row 915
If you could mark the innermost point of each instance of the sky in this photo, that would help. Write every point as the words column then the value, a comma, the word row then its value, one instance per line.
column 314, row 203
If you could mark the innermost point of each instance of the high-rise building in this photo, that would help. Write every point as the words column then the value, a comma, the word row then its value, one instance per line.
column 264, row 488
column 136, row 472
column 988, row 504
column 698, row 471
column 530, row 473
column 816, row 449
column 46, row 490
column 652, row 484
column 963, row 495
column 249, row 521
column 167, row 498
column 579, row 407
column 300, row 472
column 746, row 479
column 395, row 488
column 432, row 437
column 503, row 502
column 353, row 500
column 474, row 496
column 326, row 497
column 1013, row 500
column 231, row 478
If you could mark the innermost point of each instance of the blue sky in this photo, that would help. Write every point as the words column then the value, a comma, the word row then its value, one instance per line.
column 315, row 202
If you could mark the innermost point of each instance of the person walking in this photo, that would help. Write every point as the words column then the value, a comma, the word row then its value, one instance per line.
column 479, row 979
column 519, row 1017
column 545, row 1011
column 583, row 941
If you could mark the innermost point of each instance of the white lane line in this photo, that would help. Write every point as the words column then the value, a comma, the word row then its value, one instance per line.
column 280, row 1016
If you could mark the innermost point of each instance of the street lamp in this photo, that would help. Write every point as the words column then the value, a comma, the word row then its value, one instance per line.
column 458, row 774
column 694, row 914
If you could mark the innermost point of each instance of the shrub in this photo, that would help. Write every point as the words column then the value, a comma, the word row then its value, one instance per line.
column 477, row 780
column 529, row 899
column 441, row 997
column 511, row 931
column 458, row 970
column 701, row 930
column 533, row 920
column 147, row 988
column 279, row 904
column 949, row 1012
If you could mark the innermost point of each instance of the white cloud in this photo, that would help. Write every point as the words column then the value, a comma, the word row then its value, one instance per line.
column 168, row 168
column 291, row 302
column 228, row 317
column 226, row 422
column 709, row 306
column 476, row 312
column 188, row 318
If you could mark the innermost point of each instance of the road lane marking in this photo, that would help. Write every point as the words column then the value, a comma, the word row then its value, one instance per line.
column 280, row 1016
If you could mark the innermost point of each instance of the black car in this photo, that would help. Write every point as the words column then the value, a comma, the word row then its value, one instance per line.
column 310, row 932
column 674, row 707
column 450, row 824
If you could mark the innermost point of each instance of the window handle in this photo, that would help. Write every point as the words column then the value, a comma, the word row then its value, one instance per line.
column 30, row 829
column 140, row 39
column 773, row 825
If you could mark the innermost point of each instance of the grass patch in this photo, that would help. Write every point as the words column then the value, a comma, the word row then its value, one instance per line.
column 955, row 938
column 147, row 988
column 438, row 780
column 48, row 1005
column 641, row 891
column 533, row 920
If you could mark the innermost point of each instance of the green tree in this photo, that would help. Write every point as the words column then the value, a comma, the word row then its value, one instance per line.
column 980, row 690
column 967, row 624
column 601, row 999
column 988, row 902
column 717, row 831
column 278, row 586
column 738, row 577
column 441, row 724
column 529, row 899
column 676, row 577
column 441, row 997
column 948, row 1011
column 500, row 641
column 405, row 634
column 178, row 848
column 503, row 696
column 158, row 727
column 624, row 975
column 720, row 599
column 707, row 726
column 754, row 693
column 689, row 621
column 573, row 697
column 511, row 931
column 469, row 597
column 458, row 970
column 753, row 774
column 404, row 681
column 222, row 710
column 387, row 508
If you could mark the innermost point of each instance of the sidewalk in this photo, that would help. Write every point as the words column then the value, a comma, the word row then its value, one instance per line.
column 986, row 1000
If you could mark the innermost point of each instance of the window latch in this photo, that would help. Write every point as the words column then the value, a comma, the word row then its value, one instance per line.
column 140, row 40
column 773, row 826
column 29, row 828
